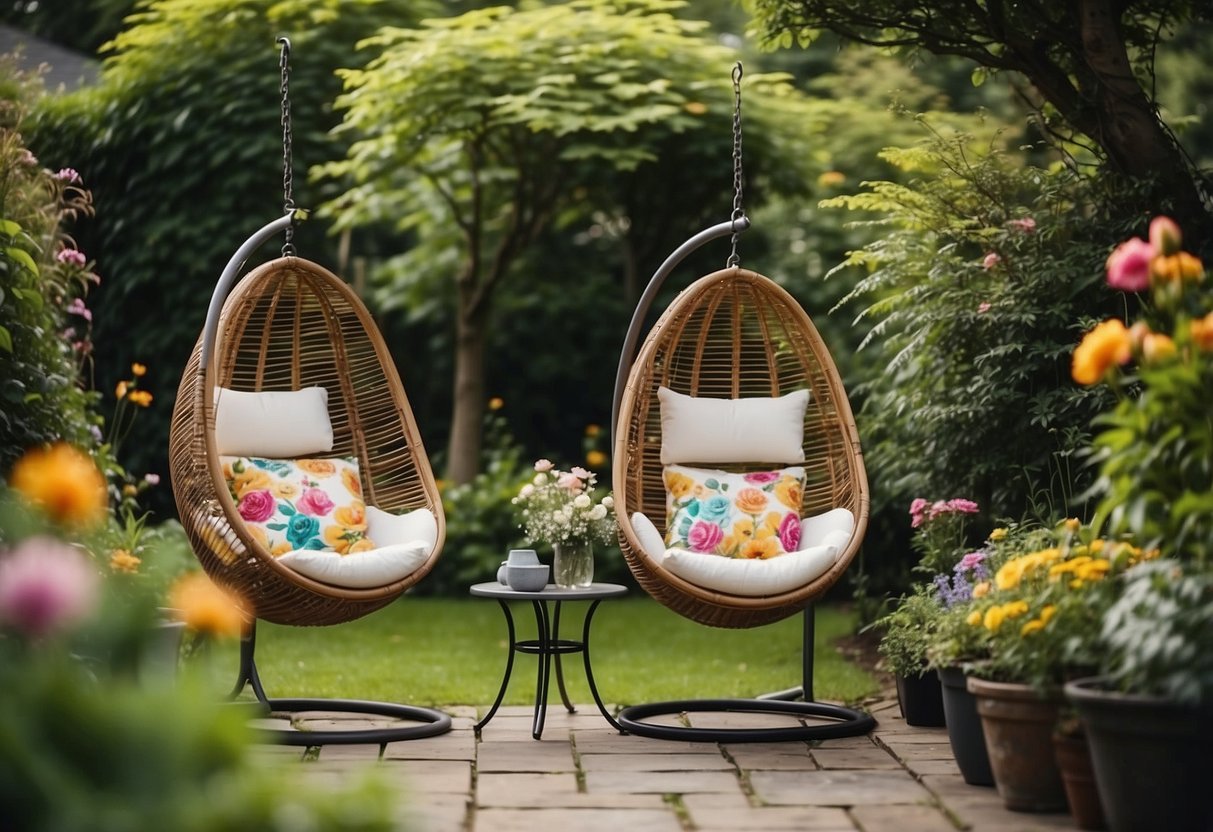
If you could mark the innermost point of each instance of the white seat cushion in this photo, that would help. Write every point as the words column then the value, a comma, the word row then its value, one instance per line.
column 405, row 542
column 827, row 535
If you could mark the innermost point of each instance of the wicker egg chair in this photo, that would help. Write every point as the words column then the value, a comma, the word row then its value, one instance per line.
column 287, row 325
column 734, row 334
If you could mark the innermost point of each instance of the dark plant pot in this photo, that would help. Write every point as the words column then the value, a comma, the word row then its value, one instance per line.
column 1018, row 723
column 964, row 728
column 1150, row 756
column 921, row 699
column 1074, row 762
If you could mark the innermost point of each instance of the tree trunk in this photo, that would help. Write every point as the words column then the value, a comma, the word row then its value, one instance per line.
column 463, row 448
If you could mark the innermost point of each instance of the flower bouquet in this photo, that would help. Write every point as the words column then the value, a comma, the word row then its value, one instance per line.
column 561, row 508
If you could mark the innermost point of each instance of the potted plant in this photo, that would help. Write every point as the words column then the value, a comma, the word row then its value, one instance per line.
column 1156, row 483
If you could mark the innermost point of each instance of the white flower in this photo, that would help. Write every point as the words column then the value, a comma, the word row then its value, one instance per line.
column 559, row 518
column 540, row 479
column 582, row 501
column 608, row 501
column 598, row 512
column 527, row 490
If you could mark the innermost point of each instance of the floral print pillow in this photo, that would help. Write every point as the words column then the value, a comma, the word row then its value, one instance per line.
column 292, row 504
column 753, row 516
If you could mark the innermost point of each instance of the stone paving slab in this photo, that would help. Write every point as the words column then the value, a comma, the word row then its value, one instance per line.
column 584, row 775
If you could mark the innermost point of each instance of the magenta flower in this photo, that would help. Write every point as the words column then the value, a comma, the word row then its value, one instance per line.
column 762, row 477
column 1027, row 225
column 789, row 533
column 991, row 260
column 45, row 587
column 963, row 506
column 1129, row 265
column 72, row 256
column 704, row 537
column 77, row 307
column 918, row 512
column 256, row 506
column 69, row 175
column 314, row 502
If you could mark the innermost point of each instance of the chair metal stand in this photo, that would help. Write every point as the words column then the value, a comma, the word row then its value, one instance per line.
column 829, row 721
column 432, row 722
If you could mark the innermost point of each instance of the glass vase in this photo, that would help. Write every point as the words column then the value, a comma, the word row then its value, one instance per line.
column 573, row 567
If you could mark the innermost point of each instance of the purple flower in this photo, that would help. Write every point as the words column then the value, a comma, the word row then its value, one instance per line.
column 69, row 175
column 45, row 586
column 96, row 432
column 71, row 255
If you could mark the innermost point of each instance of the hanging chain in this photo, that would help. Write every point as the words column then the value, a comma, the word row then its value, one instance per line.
column 738, row 213
column 288, row 205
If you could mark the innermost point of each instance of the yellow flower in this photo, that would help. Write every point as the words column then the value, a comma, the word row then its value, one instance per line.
column 1014, row 609
column 350, row 480
column 64, row 482
column 695, row 108
column 831, row 178
column 993, row 619
column 352, row 516
column 679, row 485
column 140, row 397
column 120, row 390
column 1047, row 612
column 998, row 534
column 129, row 490
column 284, row 490
column 250, row 479
column 1093, row 570
column 751, row 500
column 1035, row 625
column 363, row 545
column 138, row 370
column 123, row 561
column 595, row 459
column 1157, row 348
column 973, row 619
column 760, row 548
column 318, row 467
column 788, row 491
column 1072, row 525
column 1102, row 348
column 981, row 590
column 496, row 403
column 205, row 607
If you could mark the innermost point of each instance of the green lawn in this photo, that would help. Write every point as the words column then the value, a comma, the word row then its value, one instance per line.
column 429, row 651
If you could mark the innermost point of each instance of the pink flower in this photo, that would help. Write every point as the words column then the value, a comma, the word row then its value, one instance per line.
column 1129, row 265
column 762, row 477
column 789, row 533
column 983, row 308
column 256, row 506
column 151, row 479
column 917, row 509
column 1027, row 225
column 991, row 260
column 77, row 307
column 580, row 473
column 970, row 561
column 69, row 175
column 314, row 502
column 963, row 506
column 70, row 255
column 27, row 158
column 45, row 586
column 570, row 481
column 1165, row 236
column 704, row 537
column 543, row 466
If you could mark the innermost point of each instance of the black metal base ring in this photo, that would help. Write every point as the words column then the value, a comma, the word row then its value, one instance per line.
column 845, row 722
column 433, row 722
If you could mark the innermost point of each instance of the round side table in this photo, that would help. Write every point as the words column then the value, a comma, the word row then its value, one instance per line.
column 549, row 643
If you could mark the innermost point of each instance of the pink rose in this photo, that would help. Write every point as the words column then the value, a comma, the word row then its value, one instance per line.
column 789, row 533
column 762, row 477
column 45, row 586
column 543, row 465
column 256, row 506
column 1165, row 236
column 580, row 473
column 991, row 260
column 704, row 537
column 314, row 502
column 570, row 481
column 1027, row 225
column 1129, row 265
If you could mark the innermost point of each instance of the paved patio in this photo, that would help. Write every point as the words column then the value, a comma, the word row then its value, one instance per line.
column 583, row 775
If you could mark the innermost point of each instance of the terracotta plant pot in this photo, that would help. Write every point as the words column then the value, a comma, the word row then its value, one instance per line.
column 1151, row 758
column 921, row 699
column 1018, row 724
column 964, row 728
column 1078, row 776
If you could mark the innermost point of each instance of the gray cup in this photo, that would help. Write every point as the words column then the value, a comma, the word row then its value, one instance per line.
column 522, row 577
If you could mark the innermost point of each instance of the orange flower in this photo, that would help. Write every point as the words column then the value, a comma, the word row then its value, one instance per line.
column 751, row 500
column 1101, row 349
column 64, row 481
column 140, row 397
column 350, row 480
column 1202, row 332
column 120, row 390
column 138, row 370
column 760, row 548
column 123, row 561
column 352, row 516
column 250, row 479
column 318, row 467
column 788, row 491
column 595, row 459
column 1157, row 348
column 206, row 607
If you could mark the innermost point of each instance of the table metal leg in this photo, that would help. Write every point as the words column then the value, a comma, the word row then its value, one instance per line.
column 543, row 625
column 509, row 666
column 564, row 694
column 589, row 673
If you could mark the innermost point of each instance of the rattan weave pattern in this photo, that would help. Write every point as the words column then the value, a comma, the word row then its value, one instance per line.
column 286, row 325
column 735, row 334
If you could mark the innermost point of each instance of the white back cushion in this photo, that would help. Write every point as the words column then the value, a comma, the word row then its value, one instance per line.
column 751, row 430
column 276, row 424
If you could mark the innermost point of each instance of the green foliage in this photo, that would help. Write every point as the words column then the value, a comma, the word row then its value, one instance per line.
column 906, row 632
column 82, row 25
column 1158, row 638
column 181, row 144
column 972, row 297
column 42, row 348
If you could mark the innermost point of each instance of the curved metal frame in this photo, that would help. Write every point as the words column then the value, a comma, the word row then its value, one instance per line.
column 847, row 722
